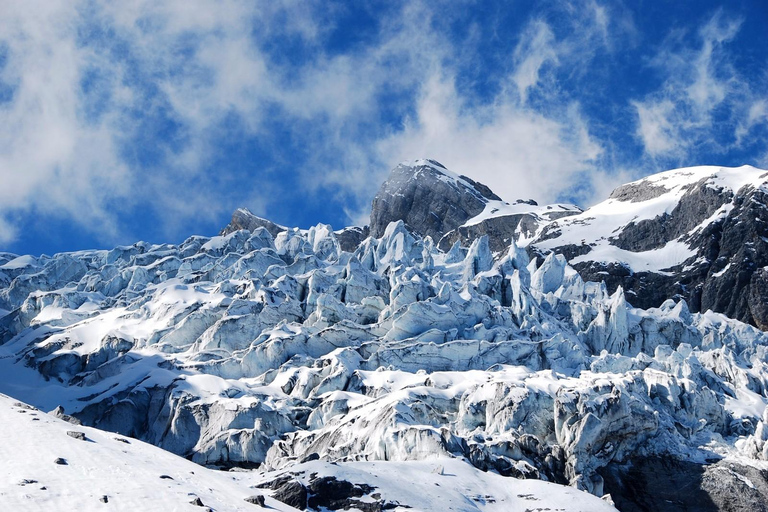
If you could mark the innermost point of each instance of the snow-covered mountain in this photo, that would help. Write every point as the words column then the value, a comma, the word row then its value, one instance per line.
column 291, row 351
column 699, row 233
column 433, row 201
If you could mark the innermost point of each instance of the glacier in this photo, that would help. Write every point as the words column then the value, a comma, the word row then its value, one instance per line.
column 277, row 352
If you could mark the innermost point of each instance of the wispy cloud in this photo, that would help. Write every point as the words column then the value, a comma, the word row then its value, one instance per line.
column 699, row 83
column 536, row 48
column 108, row 108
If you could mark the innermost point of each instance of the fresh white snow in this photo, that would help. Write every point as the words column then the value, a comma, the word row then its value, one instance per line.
column 131, row 474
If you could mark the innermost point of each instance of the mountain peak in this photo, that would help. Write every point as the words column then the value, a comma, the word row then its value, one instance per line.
column 429, row 198
column 243, row 218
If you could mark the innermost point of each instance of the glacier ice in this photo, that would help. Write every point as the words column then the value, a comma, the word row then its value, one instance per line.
column 248, row 349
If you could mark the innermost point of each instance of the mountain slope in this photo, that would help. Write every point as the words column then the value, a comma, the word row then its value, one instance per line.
column 433, row 201
column 698, row 233
column 102, row 471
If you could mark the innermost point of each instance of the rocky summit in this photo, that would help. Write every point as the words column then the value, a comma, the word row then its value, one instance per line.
column 460, row 352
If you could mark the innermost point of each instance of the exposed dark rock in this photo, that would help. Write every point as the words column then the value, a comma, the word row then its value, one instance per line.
column 351, row 237
column 500, row 231
column 258, row 499
column 292, row 493
column 670, row 485
column 60, row 461
column 197, row 502
column 166, row 477
column 327, row 493
column 77, row 435
column 335, row 494
column 427, row 200
column 310, row 457
column 244, row 219
column 696, row 205
column 758, row 298
column 104, row 499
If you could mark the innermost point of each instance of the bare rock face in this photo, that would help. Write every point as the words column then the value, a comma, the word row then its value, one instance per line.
column 503, row 230
column 351, row 237
column 428, row 198
column 666, row 484
column 242, row 218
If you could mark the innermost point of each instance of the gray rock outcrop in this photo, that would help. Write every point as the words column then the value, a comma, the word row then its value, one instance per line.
column 242, row 218
column 427, row 199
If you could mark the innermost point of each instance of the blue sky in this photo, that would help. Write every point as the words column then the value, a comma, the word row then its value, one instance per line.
column 144, row 120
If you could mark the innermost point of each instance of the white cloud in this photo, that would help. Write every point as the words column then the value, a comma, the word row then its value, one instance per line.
column 679, row 116
column 658, row 127
column 536, row 48
column 517, row 152
column 195, row 64
column 49, row 158
column 190, row 62
column 757, row 115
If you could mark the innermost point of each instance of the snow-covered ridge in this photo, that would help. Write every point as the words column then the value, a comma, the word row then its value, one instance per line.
column 644, row 200
column 730, row 178
column 435, row 166
column 496, row 209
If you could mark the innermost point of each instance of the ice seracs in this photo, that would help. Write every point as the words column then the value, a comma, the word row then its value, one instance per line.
column 279, row 351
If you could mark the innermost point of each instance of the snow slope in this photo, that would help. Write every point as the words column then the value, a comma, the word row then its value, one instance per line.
column 260, row 351
column 132, row 475
column 447, row 485
column 495, row 209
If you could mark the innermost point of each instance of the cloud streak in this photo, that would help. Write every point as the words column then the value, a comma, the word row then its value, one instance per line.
column 187, row 109
column 699, row 85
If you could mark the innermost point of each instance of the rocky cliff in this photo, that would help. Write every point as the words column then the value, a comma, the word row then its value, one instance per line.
column 433, row 201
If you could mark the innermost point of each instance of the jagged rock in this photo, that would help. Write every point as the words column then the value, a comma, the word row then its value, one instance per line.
column 242, row 218
column 257, row 499
column 428, row 198
column 334, row 494
column 76, row 435
column 291, row 492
